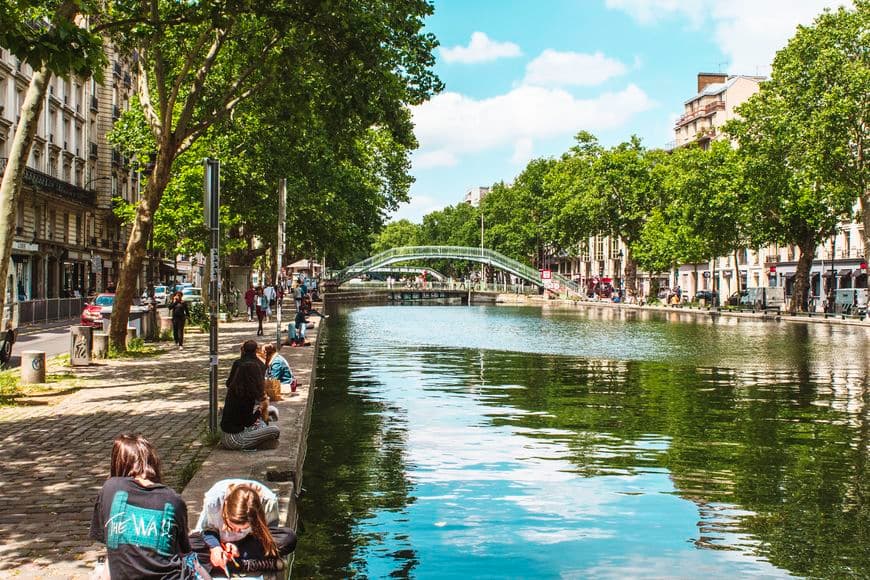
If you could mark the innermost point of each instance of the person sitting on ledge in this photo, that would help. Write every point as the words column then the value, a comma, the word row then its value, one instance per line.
column 241, row 421
column 238, row 530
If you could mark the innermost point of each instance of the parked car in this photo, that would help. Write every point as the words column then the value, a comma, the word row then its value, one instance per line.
column 181, row 286
column 192, row 295
column 101, row 307
column 758, row 298
column 161, row 294
column 708, row 296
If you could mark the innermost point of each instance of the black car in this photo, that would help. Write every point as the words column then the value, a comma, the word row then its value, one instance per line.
column 709, row 296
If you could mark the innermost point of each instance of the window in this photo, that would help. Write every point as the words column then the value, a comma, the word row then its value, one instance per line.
column 599, row 248
column 37, row 221
column 52, row 222
column 66, row 227
column 78, row 233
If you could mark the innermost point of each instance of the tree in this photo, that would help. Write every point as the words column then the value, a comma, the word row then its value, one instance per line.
column 395, row 235
column 45, row 35
column 520, row 216
column 701, row 215
column 802, row 138
column 821, row 79
column 196, row 63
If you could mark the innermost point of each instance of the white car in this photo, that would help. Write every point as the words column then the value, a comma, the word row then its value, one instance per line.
column 191, row 295
column 161, row 293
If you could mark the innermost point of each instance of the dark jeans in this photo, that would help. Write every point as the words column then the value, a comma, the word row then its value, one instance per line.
column 249, row 547
column 178, row 330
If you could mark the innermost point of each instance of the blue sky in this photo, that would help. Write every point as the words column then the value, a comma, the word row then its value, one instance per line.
column 523, row 77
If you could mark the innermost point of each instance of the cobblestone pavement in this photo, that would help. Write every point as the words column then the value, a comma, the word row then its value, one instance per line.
column 56, row 457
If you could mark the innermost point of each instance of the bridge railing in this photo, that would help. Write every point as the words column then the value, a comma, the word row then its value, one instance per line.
column 483, row 255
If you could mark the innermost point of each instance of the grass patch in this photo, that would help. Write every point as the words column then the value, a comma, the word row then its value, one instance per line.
column 10, row 387
column 61, row 359
column 136, row 348
column 211, row 438
column 13, row 393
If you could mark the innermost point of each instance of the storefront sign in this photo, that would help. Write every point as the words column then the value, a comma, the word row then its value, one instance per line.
column 25, row 246
column 97, row 263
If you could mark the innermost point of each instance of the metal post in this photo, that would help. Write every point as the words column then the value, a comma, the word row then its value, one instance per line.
column 482, row 264
column 282, row 216
column 212, row 222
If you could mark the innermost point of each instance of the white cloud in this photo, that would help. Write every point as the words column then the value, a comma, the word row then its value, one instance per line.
column 560, row 69
column 434, row 159
column 452, row 124
column 415, row 209
column 481, row 48
column 523, row 150
column 749, row 32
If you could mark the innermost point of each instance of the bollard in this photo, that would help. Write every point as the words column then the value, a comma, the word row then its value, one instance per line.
column 32, row 367
column 100, row 345
column 80, row 342
column 131, row 333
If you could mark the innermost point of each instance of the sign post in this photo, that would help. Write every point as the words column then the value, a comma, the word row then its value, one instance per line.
column 212, row 222
column 279, row 255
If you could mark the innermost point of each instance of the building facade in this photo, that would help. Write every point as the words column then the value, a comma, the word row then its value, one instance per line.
column 67, row 239
column 474, row 195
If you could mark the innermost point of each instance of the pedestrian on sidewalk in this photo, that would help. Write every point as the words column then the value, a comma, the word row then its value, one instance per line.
column 142, row 522
column 180, row 313
column 250, row 296
column 238, row 529
column 241, row 421
column 262, row 309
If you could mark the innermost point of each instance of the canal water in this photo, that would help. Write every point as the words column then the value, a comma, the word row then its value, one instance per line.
column 513, row 442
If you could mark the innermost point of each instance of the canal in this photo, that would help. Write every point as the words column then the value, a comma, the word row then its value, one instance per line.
column 513, row 442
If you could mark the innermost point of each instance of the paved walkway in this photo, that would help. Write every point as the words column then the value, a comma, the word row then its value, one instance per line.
column 56, row 457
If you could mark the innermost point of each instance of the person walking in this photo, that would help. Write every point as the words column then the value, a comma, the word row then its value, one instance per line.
column 262, row 309
column 180, row 313
column 250, row 296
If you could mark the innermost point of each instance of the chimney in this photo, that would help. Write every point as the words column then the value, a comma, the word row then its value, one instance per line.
column 705, row 79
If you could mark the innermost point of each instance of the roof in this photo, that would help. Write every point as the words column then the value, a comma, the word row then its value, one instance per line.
column 719, row 88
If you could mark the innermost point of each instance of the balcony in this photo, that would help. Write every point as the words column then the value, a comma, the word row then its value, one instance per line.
column 94, row 104
column 47, row 183
column 93, row 148
column 699, row 113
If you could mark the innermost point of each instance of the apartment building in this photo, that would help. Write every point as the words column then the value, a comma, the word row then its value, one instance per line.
column 474, row 195
column 839, row 262
column 67, row 239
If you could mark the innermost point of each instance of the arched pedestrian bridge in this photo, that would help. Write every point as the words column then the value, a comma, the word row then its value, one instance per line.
column 481, row 255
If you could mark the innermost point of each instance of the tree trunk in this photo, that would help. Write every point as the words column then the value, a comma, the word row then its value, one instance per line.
column 630, row 272
column 135, row 252
column 737, row 271
column 13, row 175
column 802, row 275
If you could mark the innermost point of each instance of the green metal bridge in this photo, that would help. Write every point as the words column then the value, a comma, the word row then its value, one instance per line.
column 482, row 255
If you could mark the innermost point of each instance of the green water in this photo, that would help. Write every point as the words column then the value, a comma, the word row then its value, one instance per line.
column 496, row 442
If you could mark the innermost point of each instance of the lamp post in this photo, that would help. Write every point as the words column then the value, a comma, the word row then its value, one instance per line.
column 482, row 264
column 618, row 273
column 832, row 281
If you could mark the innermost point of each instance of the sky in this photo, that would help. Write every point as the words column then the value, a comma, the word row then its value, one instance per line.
column 523, row 77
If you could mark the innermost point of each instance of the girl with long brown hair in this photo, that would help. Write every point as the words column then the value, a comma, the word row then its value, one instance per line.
column 238, row 528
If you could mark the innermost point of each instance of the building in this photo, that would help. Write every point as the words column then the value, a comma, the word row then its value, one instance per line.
column 67, row 239
column 839, row 262
column 474, row 195
column 706, row 112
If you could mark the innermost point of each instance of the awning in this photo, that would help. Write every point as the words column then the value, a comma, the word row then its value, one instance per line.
column 847, row 273
column 829, row 273
column 790, row 275
column 859, row 272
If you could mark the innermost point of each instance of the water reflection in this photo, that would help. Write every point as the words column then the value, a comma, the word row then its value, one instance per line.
column 445, row 443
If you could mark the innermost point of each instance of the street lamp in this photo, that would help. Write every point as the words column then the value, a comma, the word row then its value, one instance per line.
column 619, row 270
column 482, row 264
